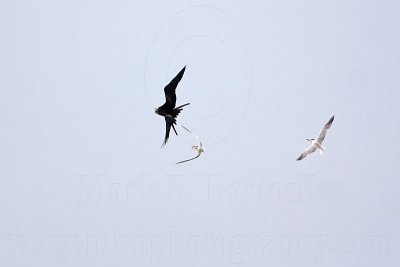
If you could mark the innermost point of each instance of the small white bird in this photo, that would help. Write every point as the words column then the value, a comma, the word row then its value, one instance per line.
column 317, row 144
column 199, row 148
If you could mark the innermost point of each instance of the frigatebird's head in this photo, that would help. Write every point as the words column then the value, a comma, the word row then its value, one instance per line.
column 156, row 111
column 310, row 139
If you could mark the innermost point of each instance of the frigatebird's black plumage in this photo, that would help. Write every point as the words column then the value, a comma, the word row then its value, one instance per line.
column 168, row 110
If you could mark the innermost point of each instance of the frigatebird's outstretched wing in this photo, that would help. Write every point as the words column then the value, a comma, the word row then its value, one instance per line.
column 169, row 90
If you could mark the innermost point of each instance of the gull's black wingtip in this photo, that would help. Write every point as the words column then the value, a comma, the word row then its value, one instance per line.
column 330, row 120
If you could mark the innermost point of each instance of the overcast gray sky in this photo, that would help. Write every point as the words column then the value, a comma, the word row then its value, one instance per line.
column 85, row 183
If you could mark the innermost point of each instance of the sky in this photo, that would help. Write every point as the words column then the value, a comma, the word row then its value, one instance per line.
column 84, row 182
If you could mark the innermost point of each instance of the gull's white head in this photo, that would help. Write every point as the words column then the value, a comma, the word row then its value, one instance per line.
column 310, row 139
column 199, row 149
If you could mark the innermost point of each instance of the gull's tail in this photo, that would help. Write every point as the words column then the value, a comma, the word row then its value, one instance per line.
column 322, row 150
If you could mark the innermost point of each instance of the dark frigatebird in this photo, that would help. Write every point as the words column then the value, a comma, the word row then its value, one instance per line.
column 168, row 110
